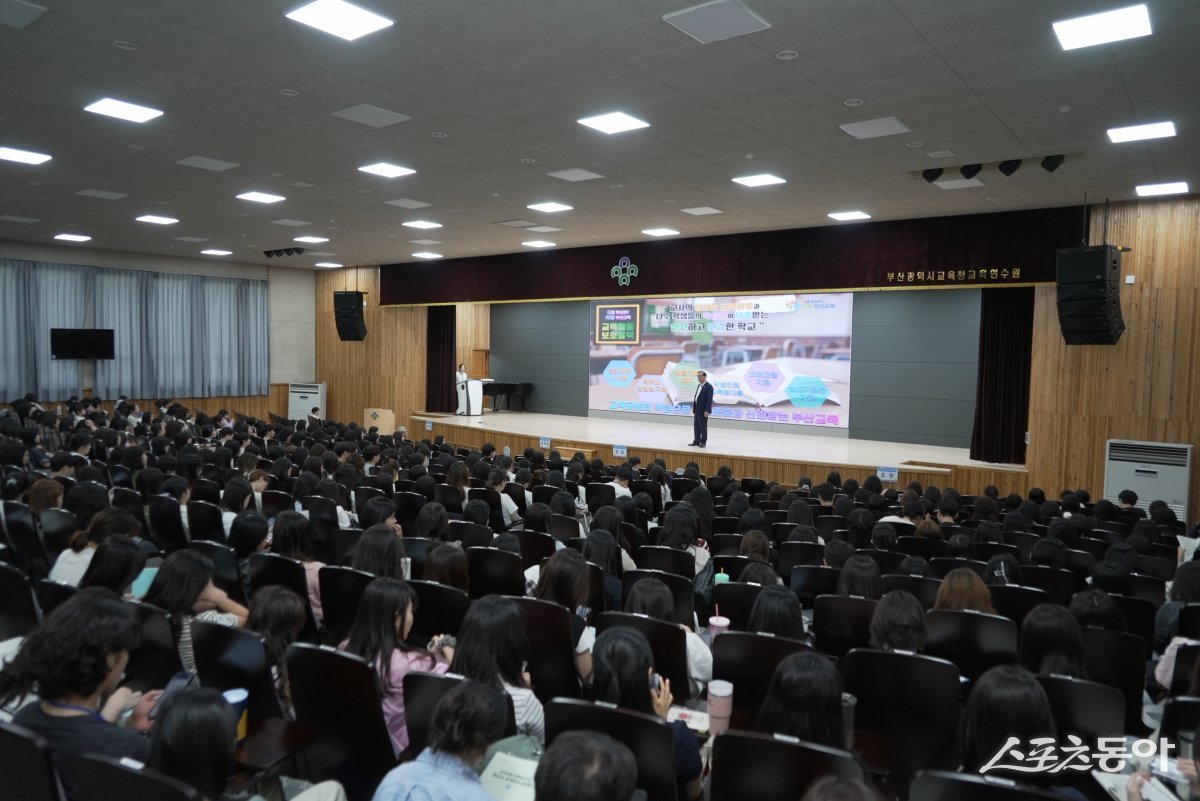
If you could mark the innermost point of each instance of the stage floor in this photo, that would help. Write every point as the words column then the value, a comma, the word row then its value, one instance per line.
column 641, row 436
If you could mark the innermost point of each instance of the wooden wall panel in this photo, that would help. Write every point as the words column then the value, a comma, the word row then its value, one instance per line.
column 1146, row 386
column 472, row 330
column 387, row 369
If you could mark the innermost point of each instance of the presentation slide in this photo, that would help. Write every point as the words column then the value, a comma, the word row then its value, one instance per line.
column 770, row 358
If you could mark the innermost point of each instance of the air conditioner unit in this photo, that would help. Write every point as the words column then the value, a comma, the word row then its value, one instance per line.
column 1154, row 470
column 302, row 397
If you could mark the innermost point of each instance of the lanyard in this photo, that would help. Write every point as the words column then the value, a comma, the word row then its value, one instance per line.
column 76, row 708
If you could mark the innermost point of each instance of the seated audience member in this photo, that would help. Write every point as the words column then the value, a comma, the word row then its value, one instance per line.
column 380, row 552
column 447, row 564
column 195, row 736
column 930, row 529
column 493, row 648
column 84, row 500
column 237, row 498
column 960, row 547
column 837, row 553
column 44, row 494
column 915, row 566
column 1051, row 643
column 777, row 611
column 74, row 662
column 624, row 675
column 1049, row 552
column 466, row 721
column 250, row 533
column 277, row 615
column 1128, row 502
column 804, row 700
column 652, row 598
column 381, row 626
column 883, row 537
column 497, row 479
column 1002, row 569
column 564, row 581
column 117, row 563
column 755, row 545
column 476, row 511
column 898, row 623
column 860, row 578
column 183, row 589
column 601, row 549
column 586, row 766
column 1112, row 577
column 1094, row 608
column 1185, row 590
column 73, row 562
column 963, row 589
column 379, row 510
column 292, row 537
column 432, row 523
column 759, row 573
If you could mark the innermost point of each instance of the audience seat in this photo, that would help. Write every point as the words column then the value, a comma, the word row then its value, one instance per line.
column 27, row 767
column 1185, row 660
column 984, row 551
column 543, row 493
column 338, row 694
column 440, row 610
column 938, row 785
column 1181, row 713
column 1157, row 567
column 408, row 505
column 166, row 523
column 888, row 561
column 267, row 569
column 1189, row 621
column 535, row 546
column 840, row 623
column 1015, row 602
column 731, row 566
column 667, row 642
column 973, row 641
column 517, row 494
column 647, row 736
column 205, row 522
column 417, row 549
column 203, row 489
column 103, row 778
column 682, row 486
column 908, row 709
column 651, row 488
column 323, row 518
column 925, row 547
column 364, row 494
column 753, row 486
column 226, row 575
column 1139, row 617
column 228, row 658
column 274, row 502
column 680, row 587
column 599, row 494
column 1119, row 660
column 131, row 501
column 494, row 572
column 19, row 528
column 765, row 767
column 1059, row 584
column 792, row 554
column 19, row 613
column 551, row 653
column 57, row 526
column 724, row 544
column 422, row 691
column 668, row 560
column 735, row 600
column 748, row 660
column 1084, row 708
column 1149, row 588
column 563, row 527
column 156, row 660
column 827, row 524
column 779, row 532
column 50, row 594
column 808, row 582
column 722, row 524
column 341, row 589
column 449, row 497
column 471, row 535
column 944, row 564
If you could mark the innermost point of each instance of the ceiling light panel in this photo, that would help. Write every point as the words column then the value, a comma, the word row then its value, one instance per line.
column 614, row 122
column 872, row 129
column 427, row 254
column 959, row 183
column 422, row 224
column 291, row 223
column 549, row 207
column 327, row 264
column 19, row 14
column 1156, row 190
column 339, row 18
column 130, row 112
column 206, row 163
column 538, row 243
column 101, row 194
column 261, row 197
column 408, row 203
column 191, row 239
column 845, row 216
column 543, row 229
column 217, row 252
column 1136, row 133
column 1109, row 26
column 762, row 179
column 424, row 241
column 575, row 174
column 372, row 116
column 660, row 232
column 73, row 238
column 23, row 156
column 311, row 240
column 716, row 21
column 157, row 220
column 386, row 170
column 15, row 218
column 700, row 211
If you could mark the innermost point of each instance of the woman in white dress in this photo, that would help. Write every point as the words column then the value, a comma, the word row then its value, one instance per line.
column 460, row 384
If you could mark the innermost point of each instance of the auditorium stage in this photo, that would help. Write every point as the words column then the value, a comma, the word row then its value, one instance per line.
column 783, row 457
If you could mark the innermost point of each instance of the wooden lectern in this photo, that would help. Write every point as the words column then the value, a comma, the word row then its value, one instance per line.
column 383, row 419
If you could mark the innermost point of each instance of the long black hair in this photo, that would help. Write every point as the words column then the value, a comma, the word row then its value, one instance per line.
column 380, row 551
column 292, row 536
column 1007, row 701
column 117, row 562
column 492, row 643
column 68, row 653
column 804, row 700
column 194, row 738
column 600, row 548
column 277, row 615
column 374, row 635
column 776, row 611
column 183, row 575
column 621, row 664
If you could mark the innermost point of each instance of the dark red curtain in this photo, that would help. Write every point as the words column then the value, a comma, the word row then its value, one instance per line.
column 1002, row 385
column 439, row 365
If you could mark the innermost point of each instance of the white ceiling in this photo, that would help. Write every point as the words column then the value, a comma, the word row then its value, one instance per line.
column 505, row 80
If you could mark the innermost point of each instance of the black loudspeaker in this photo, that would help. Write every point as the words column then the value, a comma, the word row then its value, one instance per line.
column 1089, row 295
column 348, row 315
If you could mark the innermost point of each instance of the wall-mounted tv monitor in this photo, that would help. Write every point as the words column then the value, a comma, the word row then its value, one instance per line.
column 81, row 343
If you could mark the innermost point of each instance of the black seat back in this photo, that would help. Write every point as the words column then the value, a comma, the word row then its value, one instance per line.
column 57, row 527
column 156, row 660
column 103, row 778
column 16, row 522
column 973, row 641
column 748, row 660
column 494, row 572
column 767, row 767
column 937, row 785
column 840, row 623
column 551, row 649
column 341, row 589
column 228, row 658
column 808, row 582
column 680, row 587
column 667, row 643
column 19, row 613
column 735, row 600
column 440, row 610
column 268, row 569
column 27, row 767
column 166, row 523
column 205, row 522
column 226, row 575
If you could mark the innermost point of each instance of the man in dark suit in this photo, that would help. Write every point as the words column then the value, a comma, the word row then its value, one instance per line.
column 702, row 406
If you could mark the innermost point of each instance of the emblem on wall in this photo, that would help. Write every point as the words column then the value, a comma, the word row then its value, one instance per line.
column 624, row 271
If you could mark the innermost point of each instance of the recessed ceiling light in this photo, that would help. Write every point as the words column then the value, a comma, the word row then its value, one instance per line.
column 16, row 218
column 102, row 194
column 303, row 184
column 914, row 145
column 206, row 163
column 787, row 55
column 959, row 183
column 543, row 229
column 289, row 92
column 427, row 254
column 549, row 207
column 853, row 102
column 439, row 134
column 1134, row 133
column 716, row 21
column 1108, row 26
column 940, row 154
column 23, row 156
column 613, row 122
column 1153, row 190
column 843, row 216
column 261, row 197
column 700, row 211
column 191, row 239
column 217, row 252
column 517, row 223
column 73, row 237
column 327, row 264
column 538, row 243
column 386, row 170
column 528, row 161
column 659, row 231
column 870, row 129
column 311, row 240
column 291, row 223
column 423, row 224
column 137, row 147
column 425, row 241
column 762, row 179
column 130, row 112
column 575, row 174
column 408, row 203
column 121, row 44
column 343, row 20
column 154, row 218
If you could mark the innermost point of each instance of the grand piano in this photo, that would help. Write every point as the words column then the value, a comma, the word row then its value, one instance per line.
column 507, row 390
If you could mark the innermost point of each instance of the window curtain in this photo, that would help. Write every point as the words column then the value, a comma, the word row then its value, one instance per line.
column 439, row 365
column 1002, row 385
column 174, row 335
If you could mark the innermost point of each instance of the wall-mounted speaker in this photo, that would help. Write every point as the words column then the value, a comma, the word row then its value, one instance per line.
column 1089, row 295
column 348, row 316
